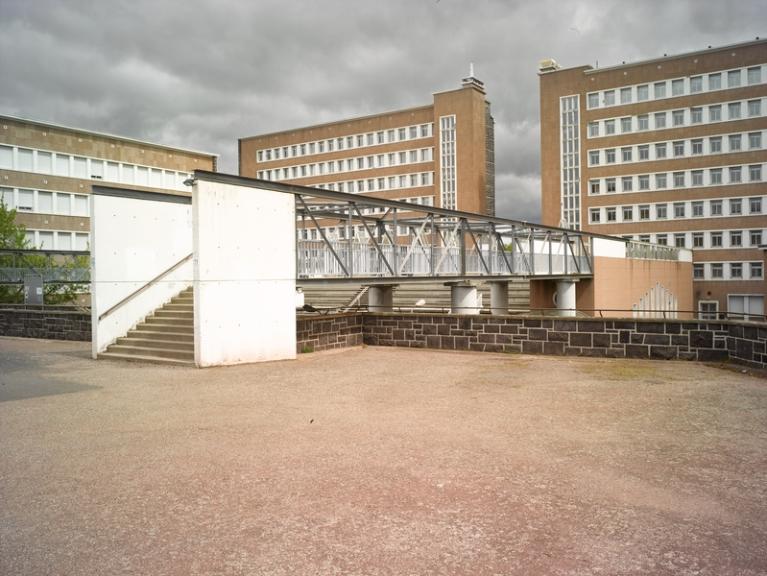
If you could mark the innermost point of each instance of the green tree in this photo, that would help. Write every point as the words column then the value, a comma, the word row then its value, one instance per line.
column 12, row 235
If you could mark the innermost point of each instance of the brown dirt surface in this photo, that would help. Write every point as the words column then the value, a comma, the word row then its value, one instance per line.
column 379, row 461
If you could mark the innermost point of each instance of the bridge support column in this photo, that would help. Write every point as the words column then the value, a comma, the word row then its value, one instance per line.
column 381, row 297
column 499, row 297
column 463, row 298
column 566, row 297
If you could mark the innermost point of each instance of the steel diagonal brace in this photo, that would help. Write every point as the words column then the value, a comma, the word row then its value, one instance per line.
column 447, row 244
column 372, row 238
column 416, row 241
column 324, row 238
column 479, row 250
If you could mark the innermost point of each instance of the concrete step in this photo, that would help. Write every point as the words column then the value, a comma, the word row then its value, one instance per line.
column 162, row 327
column 171, row 321
column 140, row 358
column 156, row 343
column 179, row 314
column 153, row 351
column 147, row 333
column 178, row 307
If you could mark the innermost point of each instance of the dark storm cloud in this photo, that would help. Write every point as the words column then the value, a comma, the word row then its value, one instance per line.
column 200, row 73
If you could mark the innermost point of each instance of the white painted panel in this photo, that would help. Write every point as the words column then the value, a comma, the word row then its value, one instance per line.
column 132, row 242
column 609, row 248
column 244, row 299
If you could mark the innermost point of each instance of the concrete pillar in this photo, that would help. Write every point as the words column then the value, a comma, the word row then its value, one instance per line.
column 381, row 297
column 566, row 297
column 499, row 297
column 463, row 298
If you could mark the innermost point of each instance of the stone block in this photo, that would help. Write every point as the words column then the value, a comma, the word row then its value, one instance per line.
column 657, row 339
column 578, row 339
column 663, row 352
column 537, row 334
column 591, row 326
column 565, row 325
column 637, row 351
column 554, row 348
column 651, row 327
column 529, row 347
column 701, row 339
column 712, row 355
column 601, row 340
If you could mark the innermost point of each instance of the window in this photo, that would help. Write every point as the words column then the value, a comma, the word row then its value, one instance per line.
column 644, row 181
column 754, row 140
column 716, row 207
column 659, row 90
column 755, row 173
column 733, row 78
column 736, row 238
column 697, row 209
column 679, row 240
column 609, row 127
column 414, row 132
column 44, row 162
column 696, row 84
column 677, row 87
column 661, row 239
column 697, row 177
column 661, row 211
column 677, row 118
column 643, row 122
column 679, row 148
column 610, row 184
column 661, row 181
column 754, row 75
column 644, row 152
column 734, row 140
column 643, row 92
column 736, row 206
column 679, row 209
column 733, row 110
column 424, row 130
column 594, row 157
column 625, row 95
column 715, row 144
column 609, row 97
column 660, row 120
column 593, row 100
column 746, row 306
column 44, row 202
column 644, row 212
column 679, row 180
column 402, row 134
column 756, row 270
column 594, row 186
column 24, row 159
column 698, row 274
column 594, row 215
column 644, row 237
column 697, row 239
column 696, row 115
column 628, row 213
column 26, row 201
column 593, row 129
column 755, row 237
column 697, row 146
column 610, row 156
column 736, row 270
column 716, row 239
column 611, row 214
column 626, row 154
column 715, row 113
column 660, row 151
column 735, row 174
column 717, row 270
column 627, row 183
column 626, row 125
column 715, row 81
column 754, row 107
column 755, row 205
column 715, row 175
column 6, row 157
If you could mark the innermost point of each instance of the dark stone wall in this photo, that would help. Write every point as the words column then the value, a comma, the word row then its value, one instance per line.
column 316, row 333
column 49, row 322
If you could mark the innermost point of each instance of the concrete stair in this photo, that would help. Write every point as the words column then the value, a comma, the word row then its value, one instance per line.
column 406, row 295
column 167, row 336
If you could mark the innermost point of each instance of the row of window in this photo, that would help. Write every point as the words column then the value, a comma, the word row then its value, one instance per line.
column 58, row 240
column 59, row 164
column 653, row 151
column 728, row 271
column 676, row 210
column 706, row 240
column 350, row 142
column 711, row 114
column 349, row 164
column 44, row 201
column 732, row 175
column 379, row 184
column 725, row 79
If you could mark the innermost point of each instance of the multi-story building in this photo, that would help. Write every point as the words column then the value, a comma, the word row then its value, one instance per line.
column 46, row 172
column 441, row 154
column 670, row 151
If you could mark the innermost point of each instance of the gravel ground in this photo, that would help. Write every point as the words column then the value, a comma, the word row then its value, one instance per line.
column 379, row 461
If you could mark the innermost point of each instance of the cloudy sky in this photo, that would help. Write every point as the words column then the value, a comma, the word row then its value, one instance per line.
column 202, row 73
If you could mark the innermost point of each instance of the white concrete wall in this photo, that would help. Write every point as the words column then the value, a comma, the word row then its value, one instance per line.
column 244, row 280
column 609, row 248
column 132, row 241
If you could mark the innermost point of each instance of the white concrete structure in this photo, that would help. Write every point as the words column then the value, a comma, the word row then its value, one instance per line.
column 244, row 274
column 463, row 298
column 499, row 297
column 135, row 238
column 381, row 298
column 566, row 298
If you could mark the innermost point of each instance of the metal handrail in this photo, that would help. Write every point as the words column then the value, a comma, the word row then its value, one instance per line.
column 146, row 286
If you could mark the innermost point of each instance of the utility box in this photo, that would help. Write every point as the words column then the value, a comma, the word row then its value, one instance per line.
column 33, row 289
